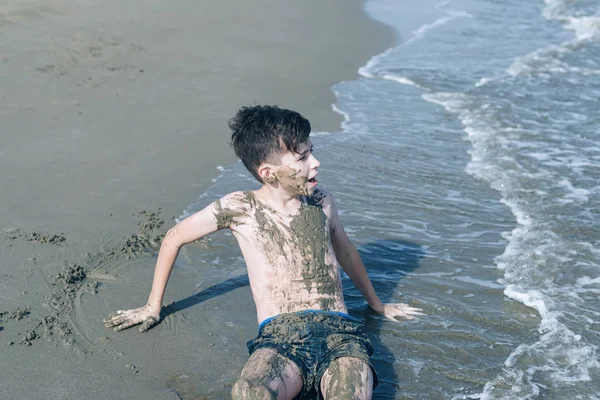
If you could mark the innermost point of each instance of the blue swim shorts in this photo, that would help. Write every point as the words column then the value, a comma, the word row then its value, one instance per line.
column 312, row 339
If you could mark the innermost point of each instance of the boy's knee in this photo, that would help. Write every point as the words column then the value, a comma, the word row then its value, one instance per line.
column 246, row 390
column 347, row 378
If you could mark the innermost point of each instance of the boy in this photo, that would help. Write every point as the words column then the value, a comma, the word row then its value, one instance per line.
column 292, row 240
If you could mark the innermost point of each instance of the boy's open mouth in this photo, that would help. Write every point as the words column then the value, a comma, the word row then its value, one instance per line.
column 313, row 180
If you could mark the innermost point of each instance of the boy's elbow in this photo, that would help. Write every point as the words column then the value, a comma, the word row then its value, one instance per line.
column 172, row 238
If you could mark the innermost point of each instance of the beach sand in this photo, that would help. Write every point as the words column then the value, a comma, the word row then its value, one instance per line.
column 114, row 119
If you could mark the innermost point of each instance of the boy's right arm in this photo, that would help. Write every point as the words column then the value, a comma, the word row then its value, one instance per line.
column 190, row 229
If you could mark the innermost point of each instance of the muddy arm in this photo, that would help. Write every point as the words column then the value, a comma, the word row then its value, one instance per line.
column 189, row 230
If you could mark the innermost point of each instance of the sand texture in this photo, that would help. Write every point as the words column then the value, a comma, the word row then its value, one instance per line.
column 113, row 120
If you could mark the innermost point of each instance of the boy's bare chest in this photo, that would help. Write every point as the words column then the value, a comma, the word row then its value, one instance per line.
column 299, row 242
column 309, row 227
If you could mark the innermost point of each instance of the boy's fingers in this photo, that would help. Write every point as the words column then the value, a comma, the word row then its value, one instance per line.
column 404, row 316
column 147, row 324
column 125, row 325
column 109, row 322
column 111, row 316
column 114, row 315
column 116, row 320
column 413, row 312
column 410, row 310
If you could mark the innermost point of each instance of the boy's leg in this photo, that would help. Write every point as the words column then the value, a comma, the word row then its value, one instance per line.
column 347, row 378
column 268, row 375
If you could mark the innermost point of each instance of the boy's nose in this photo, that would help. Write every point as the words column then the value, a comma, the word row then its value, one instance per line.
column 315, row 163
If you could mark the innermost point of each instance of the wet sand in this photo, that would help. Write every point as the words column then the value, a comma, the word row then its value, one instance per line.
column 114, row 119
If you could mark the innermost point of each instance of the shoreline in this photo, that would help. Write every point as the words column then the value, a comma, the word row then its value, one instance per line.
column 118, row 120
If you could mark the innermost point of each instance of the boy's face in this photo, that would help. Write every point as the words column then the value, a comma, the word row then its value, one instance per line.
column 297, row 171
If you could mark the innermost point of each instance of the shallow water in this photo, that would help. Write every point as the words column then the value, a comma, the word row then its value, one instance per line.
column 466, row 174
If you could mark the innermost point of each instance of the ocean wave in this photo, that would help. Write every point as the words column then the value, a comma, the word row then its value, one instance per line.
column 422, row 31
column 534, row 256
column 544, row 62
column 585, row 27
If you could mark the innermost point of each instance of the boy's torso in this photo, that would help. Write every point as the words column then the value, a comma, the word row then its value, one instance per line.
column 290, row 260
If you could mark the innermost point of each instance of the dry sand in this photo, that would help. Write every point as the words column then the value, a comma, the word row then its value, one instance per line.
column 113, row 119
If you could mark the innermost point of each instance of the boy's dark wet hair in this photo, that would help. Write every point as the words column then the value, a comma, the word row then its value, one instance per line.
column 261, row 133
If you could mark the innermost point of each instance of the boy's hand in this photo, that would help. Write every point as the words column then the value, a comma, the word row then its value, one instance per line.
column 148, row 316
column 392, row 311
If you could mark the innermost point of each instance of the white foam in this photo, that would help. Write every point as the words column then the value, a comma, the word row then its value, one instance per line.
column 402, row 80
column 479, row 282
column 585, row 28
column 531, row 298
column 370, row 70
column 484, row 81
column 343, row 113
column 367, row 70
column 586, row 281
column 434, row 274
column 423, row 30
column 577, row 194
column 548, row 60
column 554, row 10
column 541, row 60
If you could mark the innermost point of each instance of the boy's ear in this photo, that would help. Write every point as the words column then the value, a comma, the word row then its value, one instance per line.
column 265, row 171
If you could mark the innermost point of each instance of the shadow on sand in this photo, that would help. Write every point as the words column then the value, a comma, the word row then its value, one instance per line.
column 387, row 261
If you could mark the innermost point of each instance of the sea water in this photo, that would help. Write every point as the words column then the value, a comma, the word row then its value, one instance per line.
column 467, row 173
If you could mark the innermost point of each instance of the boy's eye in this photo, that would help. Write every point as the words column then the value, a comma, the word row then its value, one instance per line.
column 304, row 155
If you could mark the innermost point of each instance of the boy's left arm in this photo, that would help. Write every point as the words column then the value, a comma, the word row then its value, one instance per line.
column 351, row 263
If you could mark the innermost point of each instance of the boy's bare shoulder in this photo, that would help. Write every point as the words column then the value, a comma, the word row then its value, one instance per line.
column 236, row 199
column 323, row 197
column 231, row 209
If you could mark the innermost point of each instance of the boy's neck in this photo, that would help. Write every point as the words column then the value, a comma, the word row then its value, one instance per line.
column 279, row 199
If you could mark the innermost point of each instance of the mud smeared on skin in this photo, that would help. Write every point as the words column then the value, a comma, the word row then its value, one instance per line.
column 311, row 237
column 298, row 259
column 271, row 233
column 226, row 218
column 263, row 376
column 347, row 378
column 290, row 181
column 303, row 243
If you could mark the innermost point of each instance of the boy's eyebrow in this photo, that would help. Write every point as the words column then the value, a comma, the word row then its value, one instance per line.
column 306, row 150
column 303, row 152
